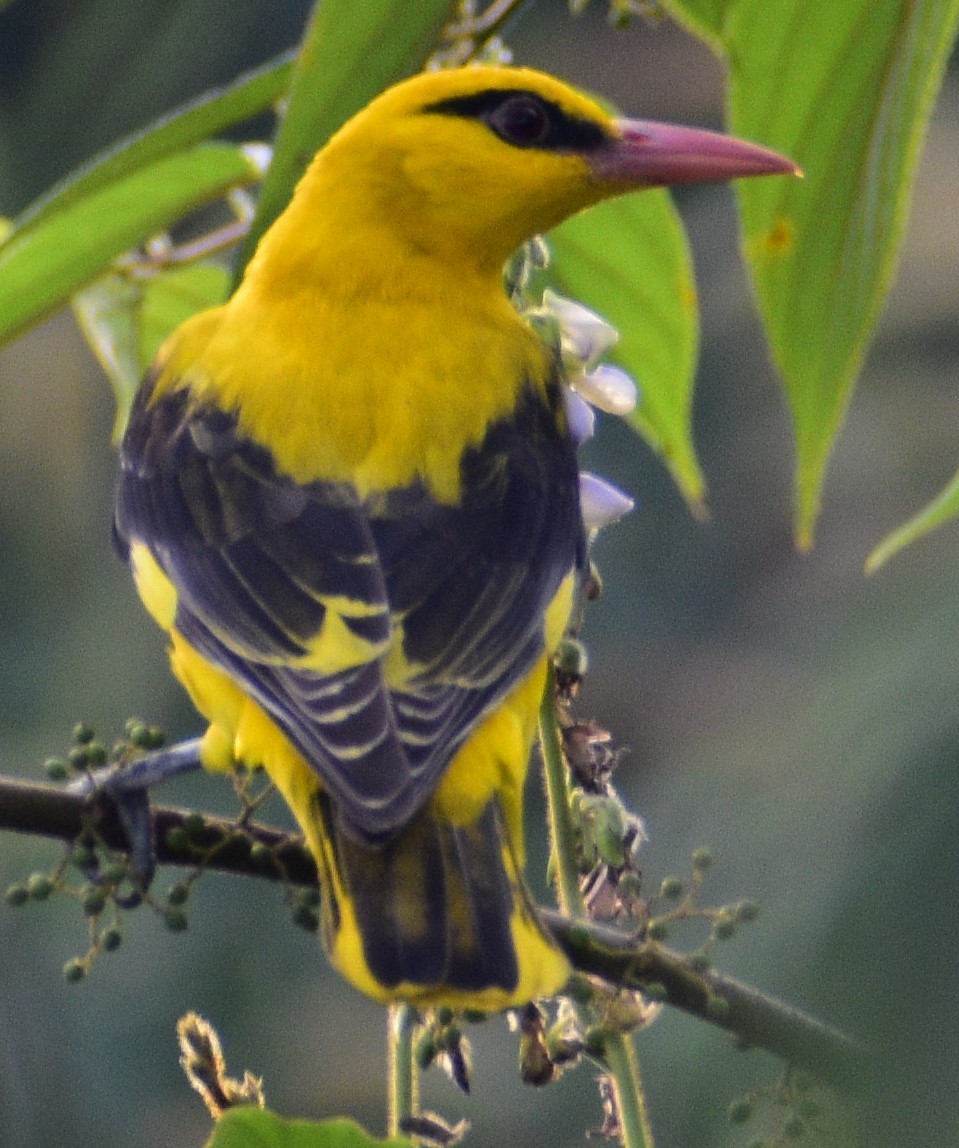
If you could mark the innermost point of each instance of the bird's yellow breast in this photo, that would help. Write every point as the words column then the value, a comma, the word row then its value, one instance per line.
column 368, row 388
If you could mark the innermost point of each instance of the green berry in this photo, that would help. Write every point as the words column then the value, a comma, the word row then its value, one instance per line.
column 702, row 859
column 56, row 768
column 747, row 911
column 39, row 886
column 93, row 900
column 178, row 893
column 177, row 838
column 630, row 886
column 111, row 939
column 17, row 895
column 740, row 1110
column 156, row 737
column 77, row 757
column 113, row 872
column 96, row 753
column 139, row 733
column 305, row 918
column 74, row 970
column 83, row 855
column 175, row 919
column 671, row 888
column 657, row 930
column 194, row 825
column 82, row 733
column 717, row 1007
column 260, row 853
column 724, row 926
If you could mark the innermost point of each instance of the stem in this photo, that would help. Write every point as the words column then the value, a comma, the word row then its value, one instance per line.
column 562, row 835
column 596, row 950
column 619, row 1051
column 404, row 1081
column 631, row 1110
column 488, row 22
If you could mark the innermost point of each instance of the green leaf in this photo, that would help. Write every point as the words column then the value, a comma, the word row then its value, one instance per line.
column 704, row 18
column 628, row 260
column 48, row 262
column 173, row 297
column 125, row 320
column 199, row 120
column 942, row 508
column 350, row 53
column 256, row 1128
column 845, row 89
column 106, row 313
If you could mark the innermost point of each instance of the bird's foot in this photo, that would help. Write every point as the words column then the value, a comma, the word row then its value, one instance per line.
column 127, row 785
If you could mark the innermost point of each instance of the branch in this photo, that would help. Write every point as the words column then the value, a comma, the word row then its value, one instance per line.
column 598, row 950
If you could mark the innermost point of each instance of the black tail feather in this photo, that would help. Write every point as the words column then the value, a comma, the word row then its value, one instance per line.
column 433, row 903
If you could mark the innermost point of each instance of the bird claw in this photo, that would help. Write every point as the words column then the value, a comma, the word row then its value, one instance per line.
column 127, row 786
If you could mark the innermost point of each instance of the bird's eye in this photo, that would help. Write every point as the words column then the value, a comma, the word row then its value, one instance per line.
column 520, row 120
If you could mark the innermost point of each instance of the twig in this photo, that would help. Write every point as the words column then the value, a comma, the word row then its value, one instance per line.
column 597, row 950
column 490, row 20
column 631, row 1119
column 404, row 1093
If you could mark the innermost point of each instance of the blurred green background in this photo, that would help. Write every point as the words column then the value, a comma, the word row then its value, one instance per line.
column 800, row 719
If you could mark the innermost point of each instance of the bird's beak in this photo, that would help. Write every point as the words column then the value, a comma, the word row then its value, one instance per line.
column 649, row 154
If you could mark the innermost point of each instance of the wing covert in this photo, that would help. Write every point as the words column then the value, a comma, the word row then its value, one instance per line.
column 261, row 563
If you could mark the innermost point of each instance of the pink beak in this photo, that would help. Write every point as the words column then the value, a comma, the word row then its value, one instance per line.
column 649, row 154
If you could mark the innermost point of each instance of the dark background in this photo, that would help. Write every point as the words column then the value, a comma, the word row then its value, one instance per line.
column 797, row 717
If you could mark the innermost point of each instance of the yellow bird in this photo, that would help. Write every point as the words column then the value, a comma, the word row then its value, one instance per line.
column 350, row 497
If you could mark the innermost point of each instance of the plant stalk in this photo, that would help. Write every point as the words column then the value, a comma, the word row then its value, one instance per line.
column 619, row 1051
column 404, row 1082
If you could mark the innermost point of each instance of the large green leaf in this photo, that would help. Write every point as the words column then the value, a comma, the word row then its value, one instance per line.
column 125, row 320
column 257, row 1128
column 199, row 120
column 845, row 89
column 351, row 51
column 628, row 259
column 42, row 266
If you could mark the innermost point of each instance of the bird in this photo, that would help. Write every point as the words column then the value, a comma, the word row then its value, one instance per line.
column 349, row 495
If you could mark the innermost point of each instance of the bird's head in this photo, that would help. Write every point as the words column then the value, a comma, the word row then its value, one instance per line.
column 465, row 165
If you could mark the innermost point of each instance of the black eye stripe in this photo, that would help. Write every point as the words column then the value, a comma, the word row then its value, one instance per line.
column 499, row 108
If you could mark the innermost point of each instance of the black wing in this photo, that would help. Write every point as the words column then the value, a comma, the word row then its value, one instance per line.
column 259, row 561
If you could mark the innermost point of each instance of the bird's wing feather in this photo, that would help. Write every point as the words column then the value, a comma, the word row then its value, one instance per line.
column 304, row 593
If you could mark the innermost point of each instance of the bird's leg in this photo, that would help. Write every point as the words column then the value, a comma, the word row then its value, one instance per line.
column 128, row 785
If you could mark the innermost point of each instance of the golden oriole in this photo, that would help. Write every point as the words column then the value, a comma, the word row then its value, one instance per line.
column 350, row 496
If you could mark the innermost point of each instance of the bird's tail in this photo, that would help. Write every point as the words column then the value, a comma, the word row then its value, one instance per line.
column 437, row 914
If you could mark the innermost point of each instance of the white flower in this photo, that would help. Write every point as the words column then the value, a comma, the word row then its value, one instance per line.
column 601, row 502
column 259, row 155
column 608, row 388
column 585, row 337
